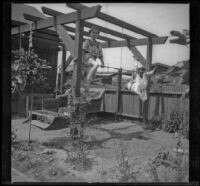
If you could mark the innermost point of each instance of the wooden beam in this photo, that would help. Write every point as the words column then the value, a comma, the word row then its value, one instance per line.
column 108, row 31
column 137, row 53
column 46, row 36
column 118, row 94
column 32, row 18
column 69, row 43
column 36, row 38
column 49, row 32
column 51, row 12
column 65, row 37
column 78, row 57
column 16, row 23
column 68, row 61
column 149, row 54
column 149, row 63
column 46, row 41
column 35, row 19
column 103, row 38
column 114, row 20
column 63, row 69
column 134, row 42
column 61, row 19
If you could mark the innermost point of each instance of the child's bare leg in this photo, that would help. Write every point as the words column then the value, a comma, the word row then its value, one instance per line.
column 91, row 73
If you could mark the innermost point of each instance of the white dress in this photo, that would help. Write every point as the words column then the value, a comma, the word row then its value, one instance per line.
column 138, row 86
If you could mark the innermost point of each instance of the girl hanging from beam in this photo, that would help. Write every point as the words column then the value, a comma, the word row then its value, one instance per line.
column 91, row 52
column 138, row 83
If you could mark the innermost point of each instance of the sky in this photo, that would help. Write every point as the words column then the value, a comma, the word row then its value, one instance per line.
column 156, row 18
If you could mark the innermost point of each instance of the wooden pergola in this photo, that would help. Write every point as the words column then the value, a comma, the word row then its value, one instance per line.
column 73, row 44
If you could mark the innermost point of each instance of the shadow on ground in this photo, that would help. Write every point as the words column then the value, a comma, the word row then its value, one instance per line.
column 114, row 134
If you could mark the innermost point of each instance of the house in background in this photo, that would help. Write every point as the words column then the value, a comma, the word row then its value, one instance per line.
column 178, row 73
column 45, row 42
column 160, row 67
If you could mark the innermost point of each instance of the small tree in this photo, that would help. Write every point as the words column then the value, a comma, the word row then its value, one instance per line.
column 182, row 38
column 27, row 72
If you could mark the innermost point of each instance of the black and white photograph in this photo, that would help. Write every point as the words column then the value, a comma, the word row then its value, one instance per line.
column 100, row 92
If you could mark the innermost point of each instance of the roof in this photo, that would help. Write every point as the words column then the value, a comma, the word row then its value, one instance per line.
column 160, row 64
column 18, row 9
column 178, row 66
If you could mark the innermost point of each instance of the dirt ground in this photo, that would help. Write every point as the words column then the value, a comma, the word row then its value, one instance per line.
column 45, row 160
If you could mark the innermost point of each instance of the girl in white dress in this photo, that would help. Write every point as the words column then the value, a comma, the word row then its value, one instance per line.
column 139, row 82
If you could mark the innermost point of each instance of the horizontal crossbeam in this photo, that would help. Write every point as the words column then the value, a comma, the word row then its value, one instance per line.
column 37, row 38
column 53, row 35
column 51, row 12
column 114, row 20
column 61, row 19
column 134, row 42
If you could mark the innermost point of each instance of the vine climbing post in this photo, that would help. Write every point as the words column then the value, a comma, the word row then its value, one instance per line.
column 149, row 62
column 78, row 56
column 76, row 95
column 62, row 79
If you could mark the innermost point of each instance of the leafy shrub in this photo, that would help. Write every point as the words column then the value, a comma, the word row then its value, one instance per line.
column 177, row 162
column 156, row 122
column 178, row 121
column 21, row 156
column 77, row 155
column 28, row 72
column 124, row 166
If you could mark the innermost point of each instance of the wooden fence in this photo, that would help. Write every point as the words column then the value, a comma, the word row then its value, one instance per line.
column 131, row 105
column 21, row 104
column 162, row 100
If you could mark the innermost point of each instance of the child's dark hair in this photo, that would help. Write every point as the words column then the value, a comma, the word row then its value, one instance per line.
column 94, row 28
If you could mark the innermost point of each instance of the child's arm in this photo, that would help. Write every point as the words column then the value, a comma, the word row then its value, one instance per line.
column 151, row 72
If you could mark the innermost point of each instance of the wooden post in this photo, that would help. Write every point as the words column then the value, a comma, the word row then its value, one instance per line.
column 62, row 79
column 30, row 119
column 68, row 61
column 157, row 104
column 158, row 101
column 118, row 94
column 78, row 56
column 149, row 62
column 163, row 106
column 140, row 108
column 27, row 106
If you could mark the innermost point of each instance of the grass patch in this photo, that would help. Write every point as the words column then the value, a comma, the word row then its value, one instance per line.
column 58, row 142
